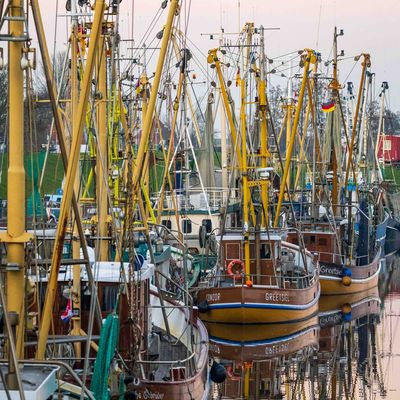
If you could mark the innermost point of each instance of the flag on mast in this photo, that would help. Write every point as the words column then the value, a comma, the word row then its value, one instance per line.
column 328, row 107
column 67, row 314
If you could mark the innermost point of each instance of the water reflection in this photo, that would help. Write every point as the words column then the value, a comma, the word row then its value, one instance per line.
column 348, row 351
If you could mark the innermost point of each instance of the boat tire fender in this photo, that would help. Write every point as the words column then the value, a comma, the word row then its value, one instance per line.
column 203, row 306
column 217, row 372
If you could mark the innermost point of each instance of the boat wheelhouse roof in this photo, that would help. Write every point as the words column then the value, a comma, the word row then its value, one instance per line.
column 104, row 271
column 274, row 235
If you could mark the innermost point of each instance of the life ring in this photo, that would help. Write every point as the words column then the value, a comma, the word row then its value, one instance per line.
column 235, row 268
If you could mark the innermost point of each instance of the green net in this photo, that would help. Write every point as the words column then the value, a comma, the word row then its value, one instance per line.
column 108, row 342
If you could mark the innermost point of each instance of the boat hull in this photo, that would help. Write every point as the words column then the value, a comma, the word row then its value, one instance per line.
column 258, row 305
column 362, row 278
column 178, row 385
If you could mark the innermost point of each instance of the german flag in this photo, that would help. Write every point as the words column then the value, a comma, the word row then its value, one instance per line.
column 328, row 107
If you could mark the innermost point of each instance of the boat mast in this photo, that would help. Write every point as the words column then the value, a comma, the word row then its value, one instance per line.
column 76, row 269
column 380, row 141
column 249, row 29
column 335, row 86
column 224, row 158
column 308, row 58
column 16, row 236
column 102, row 146
column 289, row 112
column 263, row 129
column 148, row 121
column 365, row 64
column 70, row 179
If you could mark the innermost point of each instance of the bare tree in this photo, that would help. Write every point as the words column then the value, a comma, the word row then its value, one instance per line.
column 60, row 72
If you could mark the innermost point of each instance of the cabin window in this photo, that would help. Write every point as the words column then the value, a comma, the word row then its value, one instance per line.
column 322, row 241
column 208, row 224
column 109, row 297
column 167, row 223
column 265, row 251
column 187, row 226
column 306, row 240
column 312, row 239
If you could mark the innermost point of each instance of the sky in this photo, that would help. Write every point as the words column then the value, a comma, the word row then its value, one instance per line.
column 369, row 26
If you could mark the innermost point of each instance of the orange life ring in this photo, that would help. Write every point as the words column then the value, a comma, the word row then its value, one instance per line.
column 235, row 268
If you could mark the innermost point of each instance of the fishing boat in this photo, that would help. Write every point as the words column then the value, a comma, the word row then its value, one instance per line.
column 341, row 214
column 259, row 277
column 160, row 347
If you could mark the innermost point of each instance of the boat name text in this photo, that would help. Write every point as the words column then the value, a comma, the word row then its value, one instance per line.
column 277, row 297
column 148, row 395
column 213, row 296
column 330, row 270
column 280, row 348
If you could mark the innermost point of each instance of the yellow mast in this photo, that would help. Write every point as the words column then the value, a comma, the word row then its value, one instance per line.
column 78, row 124
column 289, row 112
column 309, row 58
column 263, row 131
column 245, row 185
column 249, row 27
column 137, row 173
column 76, row 269
column 16, row 236
column 166, row 175
column 335, row 86
column 102, row 153
column 213, row 58
column 366, row 63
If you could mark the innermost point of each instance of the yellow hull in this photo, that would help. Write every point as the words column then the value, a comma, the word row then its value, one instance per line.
column 248, row 315
column 336, row 287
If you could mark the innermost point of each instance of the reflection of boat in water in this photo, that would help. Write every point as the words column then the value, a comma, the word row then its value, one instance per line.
column 256, row 359
column 347, row 357
column 335, row 309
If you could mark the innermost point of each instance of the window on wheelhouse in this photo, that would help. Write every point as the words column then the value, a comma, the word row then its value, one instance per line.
column 109, row 297
column 167, row 223
column 208, row 224
column 187, row 226
column 265, row 251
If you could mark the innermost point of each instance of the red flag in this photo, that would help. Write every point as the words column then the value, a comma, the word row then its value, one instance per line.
column 67, row 314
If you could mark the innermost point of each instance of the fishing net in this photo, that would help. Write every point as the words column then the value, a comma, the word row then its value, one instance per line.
column 108, row 342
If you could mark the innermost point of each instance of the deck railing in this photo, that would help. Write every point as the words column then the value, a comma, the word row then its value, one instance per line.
column 196, row 198
column 269, row 281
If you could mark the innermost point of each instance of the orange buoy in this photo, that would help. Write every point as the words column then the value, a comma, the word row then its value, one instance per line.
column 346, row 280
column 235, row 268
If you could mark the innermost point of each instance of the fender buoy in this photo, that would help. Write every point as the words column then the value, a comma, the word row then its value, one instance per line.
column 235, row 268
column 347, row 272
column 346, row 308
column 346, row 280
